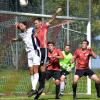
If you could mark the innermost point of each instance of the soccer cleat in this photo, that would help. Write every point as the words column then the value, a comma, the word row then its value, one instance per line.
column 31, row 93
column 36, row 97
column 61, row 94
column 57, row 97
column 97, row 86
column 74, row 96
column 38, row 94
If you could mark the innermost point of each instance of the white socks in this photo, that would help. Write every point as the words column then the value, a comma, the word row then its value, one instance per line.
column 34, row 80
column 62, row 85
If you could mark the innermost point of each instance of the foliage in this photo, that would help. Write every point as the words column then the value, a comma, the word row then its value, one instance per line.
column 79, row 8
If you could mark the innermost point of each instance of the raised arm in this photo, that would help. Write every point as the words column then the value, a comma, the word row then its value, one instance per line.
column 93, row 54
column 54, row 16
column 59, row 55
column 16, row 39
column 74, row 57
column 72, row 60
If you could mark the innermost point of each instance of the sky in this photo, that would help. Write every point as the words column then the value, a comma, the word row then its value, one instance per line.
column 95, row 63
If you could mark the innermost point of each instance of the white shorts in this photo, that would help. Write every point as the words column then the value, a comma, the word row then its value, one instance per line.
column 33, row 58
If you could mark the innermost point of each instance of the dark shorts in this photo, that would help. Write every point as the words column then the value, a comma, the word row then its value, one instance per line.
column 85, row 72
column 64, row 72
column 44, row 55
column 54, row 74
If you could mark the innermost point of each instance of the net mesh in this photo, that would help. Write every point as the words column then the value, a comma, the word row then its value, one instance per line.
column 13, row 55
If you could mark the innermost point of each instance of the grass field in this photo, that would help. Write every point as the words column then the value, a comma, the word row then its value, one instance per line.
column 50, row 97
column 14, row 85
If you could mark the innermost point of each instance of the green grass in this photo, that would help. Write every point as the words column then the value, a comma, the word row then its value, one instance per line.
column 14, row 85
column 50, row 97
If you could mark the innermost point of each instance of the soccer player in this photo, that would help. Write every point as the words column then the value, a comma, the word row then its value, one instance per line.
column 33, row 53
column 82, row 56
column 66, row 67
column 41, row 30
column 53, row 68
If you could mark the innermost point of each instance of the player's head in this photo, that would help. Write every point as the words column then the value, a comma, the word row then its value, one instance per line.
column 21, row 26
column 67, row 48
column 51, row 45
column 85, row 43
column 38, row 22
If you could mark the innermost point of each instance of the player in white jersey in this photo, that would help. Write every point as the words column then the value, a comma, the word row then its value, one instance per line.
column 33, row 53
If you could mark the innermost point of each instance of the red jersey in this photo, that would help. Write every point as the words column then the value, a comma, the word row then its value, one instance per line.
column 82, row 58
column 42, row 36
column 54, row 62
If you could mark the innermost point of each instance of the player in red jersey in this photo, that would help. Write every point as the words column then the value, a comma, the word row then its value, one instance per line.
column 53, row 68
column 41, row 31
column 82, row 56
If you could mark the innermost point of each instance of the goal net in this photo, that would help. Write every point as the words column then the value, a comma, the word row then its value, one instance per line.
column 13, row 60
column 73, row 35
column 13, row 55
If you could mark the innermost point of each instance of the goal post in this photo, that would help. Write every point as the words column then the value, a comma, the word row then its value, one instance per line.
column 89, row 39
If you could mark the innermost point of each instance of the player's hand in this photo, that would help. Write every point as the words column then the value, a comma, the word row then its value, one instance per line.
column 59, row 10
column 69, row 70
column 89, row 48
column 16, row 25
column 72, row 61
column 36, row 32
column 54, row 56
column 14, row 39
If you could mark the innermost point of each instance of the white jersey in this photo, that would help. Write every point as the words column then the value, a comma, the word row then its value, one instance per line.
column 32, row 47
column 27, row 39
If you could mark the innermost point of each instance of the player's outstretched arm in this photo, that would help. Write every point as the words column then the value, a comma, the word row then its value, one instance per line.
column 93, row 54
column 72, row 60
column 54, row 16
column 16, row 39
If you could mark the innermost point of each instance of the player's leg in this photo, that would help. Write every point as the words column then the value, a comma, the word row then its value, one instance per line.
column 57, row 83
column 48, row 75
column 34, row 79
column 56, row 76
column 62, row 84
column 78, row 74
column 42, row 69
column 42, row 76
column 94, row 77
column 74, row 85
column 33, row 62
column 97, row 85
column 41, row 87
column 62, row 81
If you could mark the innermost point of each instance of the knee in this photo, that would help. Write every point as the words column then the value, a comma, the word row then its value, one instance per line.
column 31, row 71
column 62, row 79
column 57, row 82
column 35, row 70
column 76, row 78
column 75, row 82
column 97, row 81
column 43, row 68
